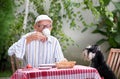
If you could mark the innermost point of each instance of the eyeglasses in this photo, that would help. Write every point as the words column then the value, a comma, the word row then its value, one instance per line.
column 44, row 26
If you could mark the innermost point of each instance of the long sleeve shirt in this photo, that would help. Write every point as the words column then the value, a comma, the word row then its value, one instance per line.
column 37, row 52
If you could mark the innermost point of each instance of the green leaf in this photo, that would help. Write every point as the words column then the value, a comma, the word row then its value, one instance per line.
column 100, row 32
column 112, row 42
column 117, row 5
column 101, row 41
column 106, row 2
column 83, row 30
column 109, row 22
column 117, row 39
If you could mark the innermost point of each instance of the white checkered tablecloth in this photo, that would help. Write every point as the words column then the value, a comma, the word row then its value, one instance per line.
column 78, row 72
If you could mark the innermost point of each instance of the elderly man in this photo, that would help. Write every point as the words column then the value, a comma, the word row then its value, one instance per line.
column 38, row 47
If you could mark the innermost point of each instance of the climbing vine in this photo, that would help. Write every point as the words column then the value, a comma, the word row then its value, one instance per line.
column 59, row 10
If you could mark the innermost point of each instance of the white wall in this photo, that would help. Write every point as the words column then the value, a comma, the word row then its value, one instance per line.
column 83, row 39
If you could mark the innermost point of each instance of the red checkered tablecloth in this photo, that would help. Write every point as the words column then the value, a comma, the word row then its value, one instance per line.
column 77, row 72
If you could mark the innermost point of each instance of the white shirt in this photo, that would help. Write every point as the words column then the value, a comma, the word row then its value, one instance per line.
column 37, row 52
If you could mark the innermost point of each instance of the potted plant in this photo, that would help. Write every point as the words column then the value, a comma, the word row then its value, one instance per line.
column 108, row 24
column 110, row 28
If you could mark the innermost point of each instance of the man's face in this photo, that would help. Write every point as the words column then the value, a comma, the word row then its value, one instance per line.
column 39, row 26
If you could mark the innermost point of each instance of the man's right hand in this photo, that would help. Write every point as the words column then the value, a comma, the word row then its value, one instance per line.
column 36, row 36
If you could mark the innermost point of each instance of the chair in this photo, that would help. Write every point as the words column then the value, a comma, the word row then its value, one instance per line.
column 114, row 61
column 15, row 63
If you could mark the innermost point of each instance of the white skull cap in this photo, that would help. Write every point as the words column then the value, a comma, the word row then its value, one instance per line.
column 42, row 17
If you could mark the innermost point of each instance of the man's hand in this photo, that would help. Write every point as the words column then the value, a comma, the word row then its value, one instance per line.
column 36, row 36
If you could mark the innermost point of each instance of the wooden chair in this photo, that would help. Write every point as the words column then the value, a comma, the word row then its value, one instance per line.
column 15, row 63
column 114, row 61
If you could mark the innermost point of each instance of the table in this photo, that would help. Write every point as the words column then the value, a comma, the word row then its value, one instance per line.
column 77, row 72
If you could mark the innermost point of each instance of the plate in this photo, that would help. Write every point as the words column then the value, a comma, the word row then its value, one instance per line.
column 47, row 65
column 44, row 68
column 29, row 69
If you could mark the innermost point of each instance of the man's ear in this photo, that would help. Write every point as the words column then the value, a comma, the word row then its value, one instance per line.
column 51, row 28
column 35, row 26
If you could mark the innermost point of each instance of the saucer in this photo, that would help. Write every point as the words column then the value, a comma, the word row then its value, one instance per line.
column 47, row 65
column 44, row 68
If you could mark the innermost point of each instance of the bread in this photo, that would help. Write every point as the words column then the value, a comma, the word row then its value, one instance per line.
column 65, row 64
